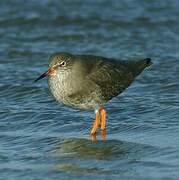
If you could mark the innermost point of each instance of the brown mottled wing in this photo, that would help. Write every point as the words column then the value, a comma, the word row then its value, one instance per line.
column 112, row 77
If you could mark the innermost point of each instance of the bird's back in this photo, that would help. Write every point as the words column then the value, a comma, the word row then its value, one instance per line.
column 112, row 76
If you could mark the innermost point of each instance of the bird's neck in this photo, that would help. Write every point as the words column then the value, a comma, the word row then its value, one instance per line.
column 61, row 86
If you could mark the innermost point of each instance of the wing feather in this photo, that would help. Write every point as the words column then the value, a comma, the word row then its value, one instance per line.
column 112, row 77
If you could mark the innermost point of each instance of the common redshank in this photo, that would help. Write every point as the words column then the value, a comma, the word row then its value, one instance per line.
column 89, row 82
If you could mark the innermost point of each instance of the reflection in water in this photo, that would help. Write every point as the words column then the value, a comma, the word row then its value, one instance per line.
column 85, row 148
column 75, row 168
column 86, row 156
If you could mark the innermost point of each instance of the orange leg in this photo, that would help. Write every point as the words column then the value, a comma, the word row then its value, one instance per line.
column 96, row 123
column 103, row 119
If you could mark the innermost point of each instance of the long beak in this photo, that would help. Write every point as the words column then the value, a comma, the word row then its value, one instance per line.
column 50, row 72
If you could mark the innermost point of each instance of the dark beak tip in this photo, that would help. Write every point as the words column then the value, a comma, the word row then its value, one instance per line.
column 40, row 77
column 35, row 80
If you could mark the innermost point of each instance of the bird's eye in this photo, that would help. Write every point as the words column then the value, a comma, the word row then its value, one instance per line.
column 62, row 64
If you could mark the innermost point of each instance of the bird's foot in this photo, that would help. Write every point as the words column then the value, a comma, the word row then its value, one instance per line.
column 93, row 137
column 103, row 136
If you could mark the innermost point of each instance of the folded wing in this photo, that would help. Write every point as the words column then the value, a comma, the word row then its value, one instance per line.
column 112, row 77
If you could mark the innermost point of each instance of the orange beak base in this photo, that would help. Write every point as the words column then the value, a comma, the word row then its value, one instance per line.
column 50, row 72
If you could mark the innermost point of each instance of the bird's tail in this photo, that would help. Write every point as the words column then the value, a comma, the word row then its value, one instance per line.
column 138, row 66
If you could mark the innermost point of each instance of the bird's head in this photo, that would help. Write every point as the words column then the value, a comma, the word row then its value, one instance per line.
column 59, row 65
